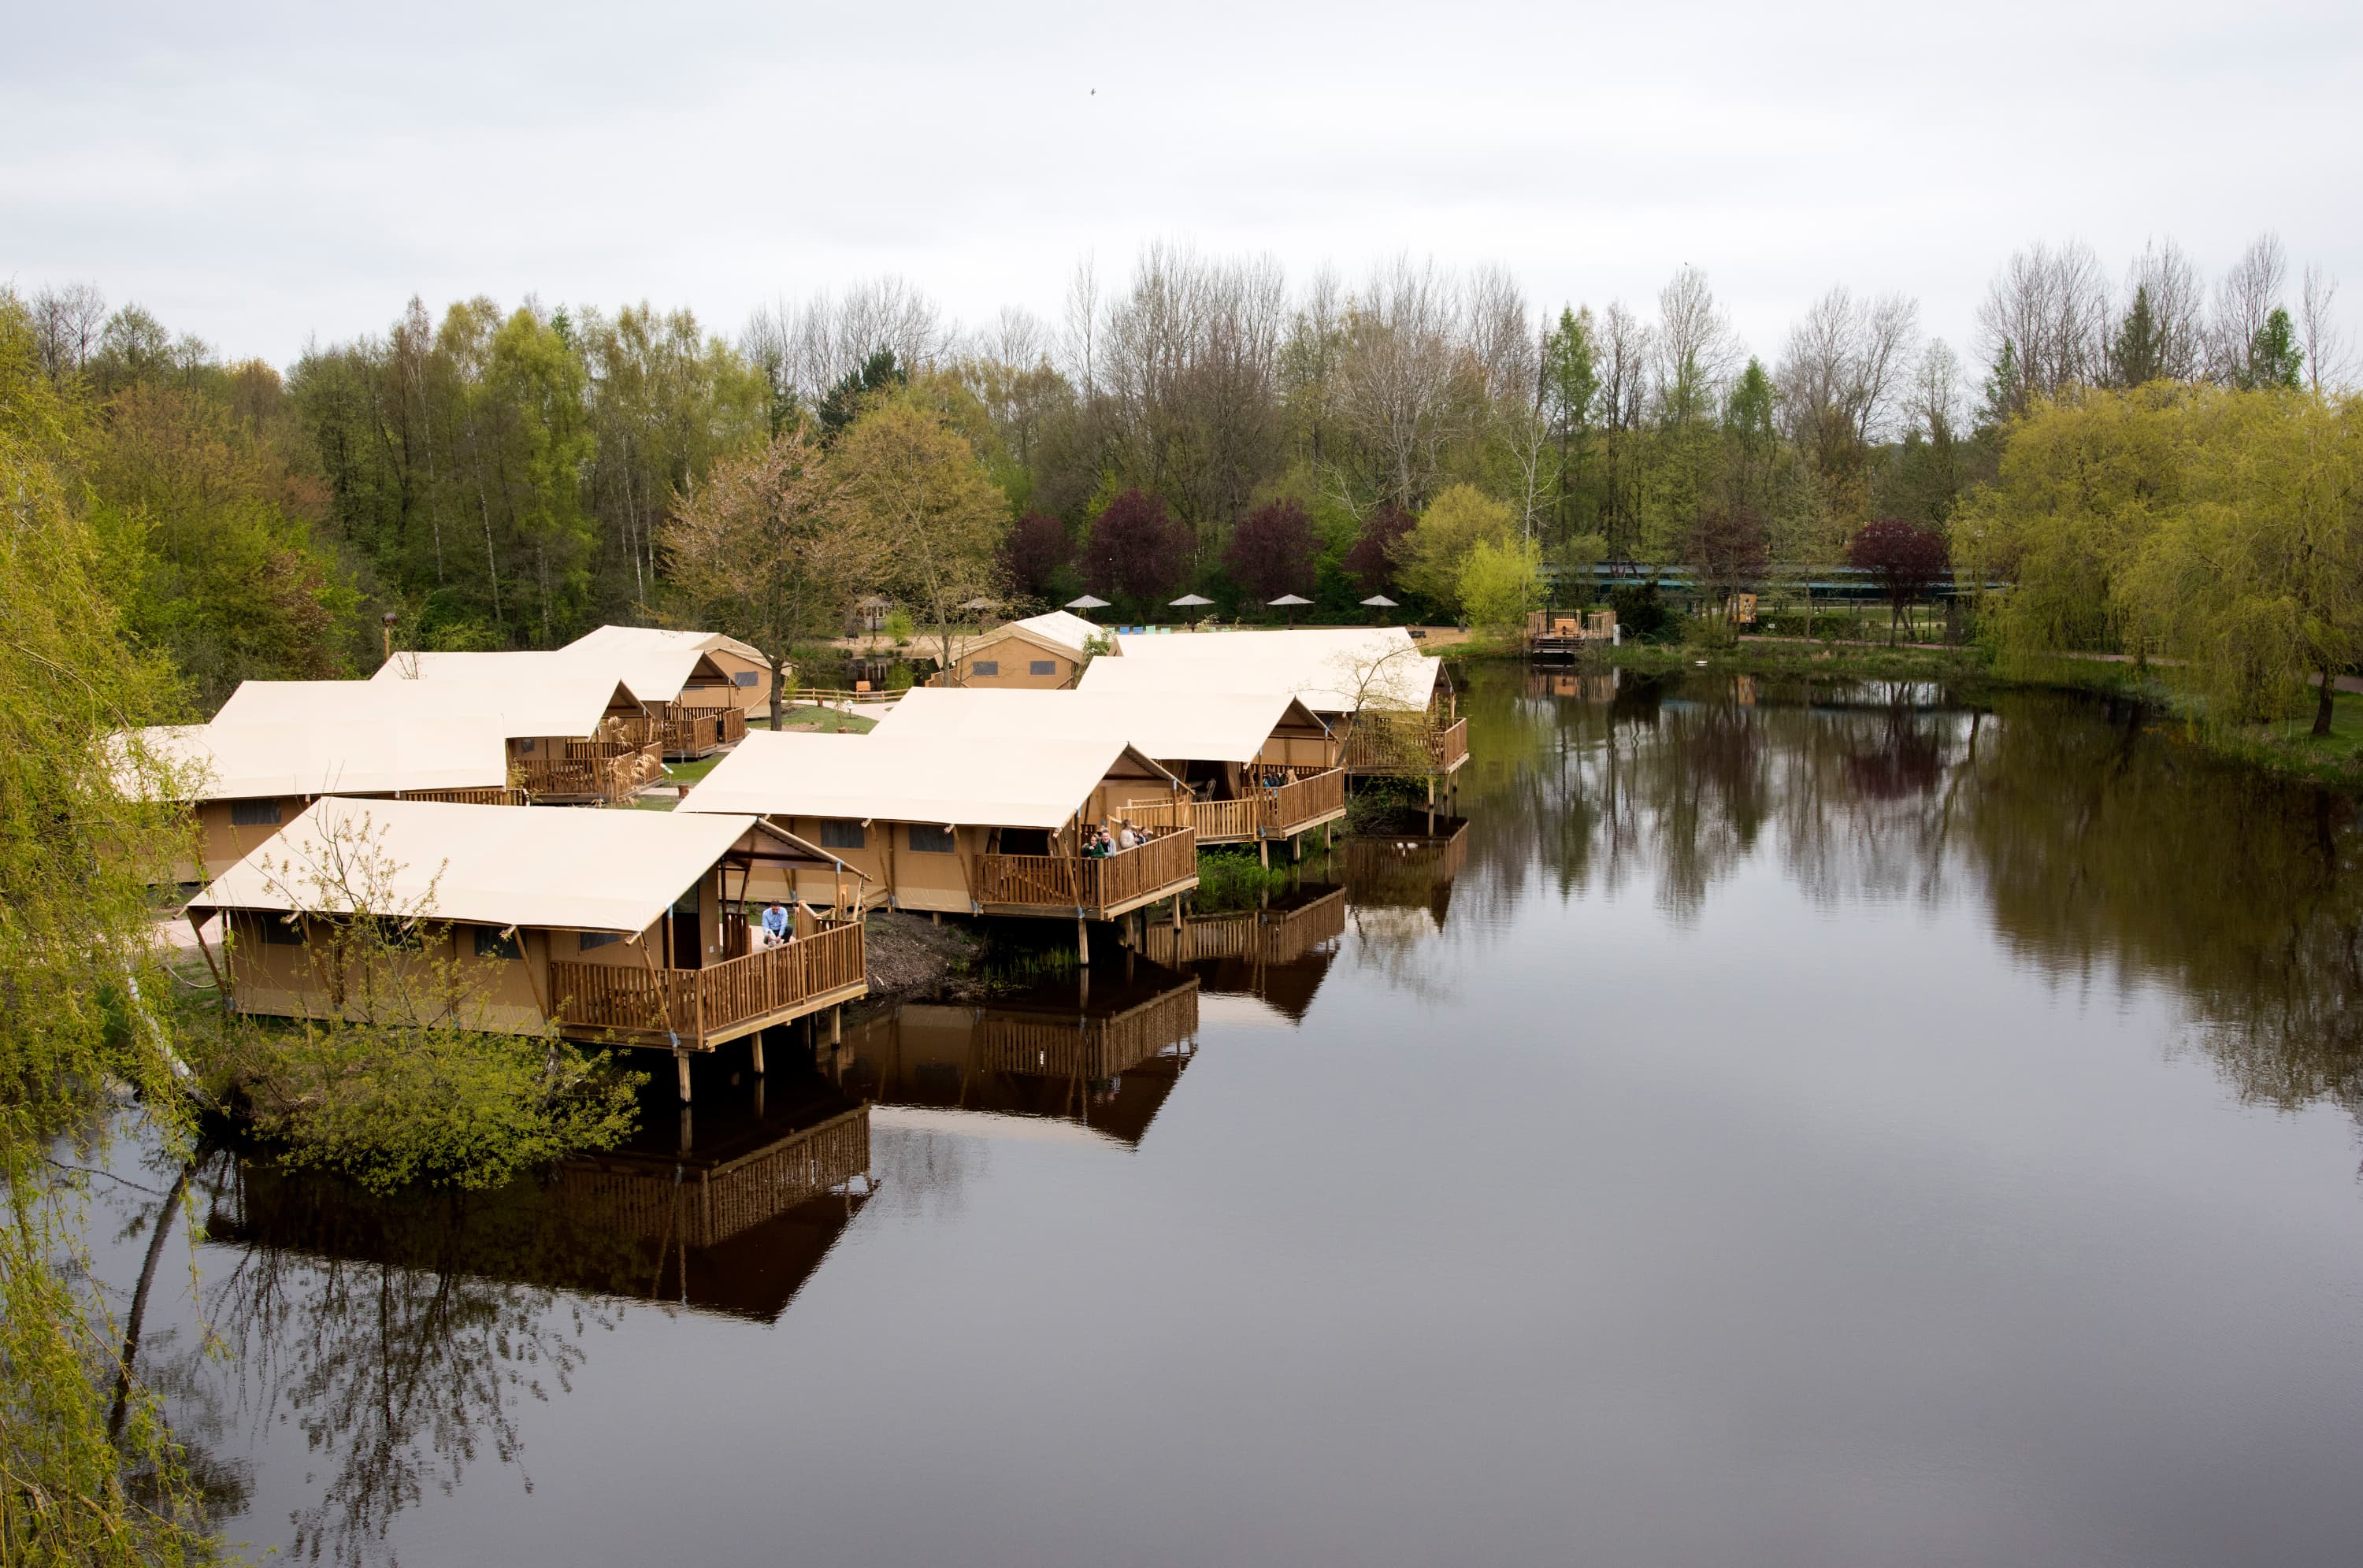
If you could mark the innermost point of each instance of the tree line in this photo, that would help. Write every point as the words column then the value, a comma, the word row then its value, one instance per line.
column 510, row 477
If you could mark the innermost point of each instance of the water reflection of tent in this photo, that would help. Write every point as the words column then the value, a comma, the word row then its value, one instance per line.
column 1091, row 1050
column 734, row 1224
column 1406, row 860
column 1280, row 953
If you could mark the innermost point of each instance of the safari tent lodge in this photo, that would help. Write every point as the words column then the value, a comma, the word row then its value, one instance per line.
column 945, row 825
column 626, row 928
column 1041, row 653
column 1256, row 767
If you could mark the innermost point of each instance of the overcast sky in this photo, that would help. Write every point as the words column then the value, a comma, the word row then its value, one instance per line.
column 261, row 175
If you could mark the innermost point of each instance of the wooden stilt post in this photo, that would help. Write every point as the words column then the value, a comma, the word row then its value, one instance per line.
column 758, row 1040
column 836, row 1024
column 686, row 1132
column 1263, row 851
column 1177, row 911
column 1082, row 941
column 680, row 1064
column 1296, row 850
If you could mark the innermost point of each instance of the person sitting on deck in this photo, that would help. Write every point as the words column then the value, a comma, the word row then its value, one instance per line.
column 775, row 924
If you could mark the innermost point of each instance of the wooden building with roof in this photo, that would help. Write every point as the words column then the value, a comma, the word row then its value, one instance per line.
column 750, row 672
column 242, row 782
column 1040, row 653
column 1258, row 766
column 572, row 739
column 614, row 927
column 948, row 826
column 683, row 693
column 1394, row 705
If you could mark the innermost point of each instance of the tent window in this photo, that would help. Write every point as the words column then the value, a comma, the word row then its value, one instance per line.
column 275, row 931
column 525, row 746
column 837, row 833
column 492, row 943
column 1042, row 667
column 930, row 840
column 254, row 813
column 985, row 666
column 748, row 678
column 586, row 940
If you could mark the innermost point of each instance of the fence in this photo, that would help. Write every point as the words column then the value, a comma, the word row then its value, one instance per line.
column 1093, row 887
column 698, row 1005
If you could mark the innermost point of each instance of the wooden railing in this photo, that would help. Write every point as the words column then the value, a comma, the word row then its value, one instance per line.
column 699, row 1206
column 490, row 795
column 1261, row 936
column 694, row 732
column 1277, row 813
column 1093, row 886
column 1392, row 744
column 606, row 771
column 694, row 1004
column 1090, row 1048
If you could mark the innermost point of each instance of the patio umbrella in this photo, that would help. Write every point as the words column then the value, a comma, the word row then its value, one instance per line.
column 1290, row 602
column 1379, row 602
column 1189, row 600
column 1087, row 603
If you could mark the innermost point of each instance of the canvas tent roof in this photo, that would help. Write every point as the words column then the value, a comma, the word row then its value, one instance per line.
column 651, row 674
column 521, row 706
column 1066, row 630
column 622, row 639
column 1323, row 667
column 1182, row 726
column 327, row 754
column 542, row 866
column 914, row 777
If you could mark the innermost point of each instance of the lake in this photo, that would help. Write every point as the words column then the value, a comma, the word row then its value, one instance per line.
column 1748, row 1125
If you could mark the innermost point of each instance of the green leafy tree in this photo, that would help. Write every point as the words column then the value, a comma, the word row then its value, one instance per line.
column 1501, row 579
column 2274, row 357
column 1430, row 557
column 900, row 477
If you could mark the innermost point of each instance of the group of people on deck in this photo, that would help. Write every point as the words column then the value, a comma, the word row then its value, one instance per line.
column 1099, row 843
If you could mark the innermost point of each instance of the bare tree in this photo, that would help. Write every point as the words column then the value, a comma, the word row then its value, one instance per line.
column 2050, row 309
column 1624, row 351
column 1395, row 381
column 1079, row 343
column 66, row 323
column 2168, row 280
column 2327, row 346
column 2245, row 298
column 1697, row 348
column 1933, row 402
column 1841, row 374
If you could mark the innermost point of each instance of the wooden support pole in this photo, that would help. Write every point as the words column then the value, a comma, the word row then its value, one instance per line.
column 680, row 1066
column 758, row 1040
column 1082, row 941
column 836, row 1024
column 1263, row 851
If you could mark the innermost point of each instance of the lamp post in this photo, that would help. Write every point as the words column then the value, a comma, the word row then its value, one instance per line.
column 386, row 633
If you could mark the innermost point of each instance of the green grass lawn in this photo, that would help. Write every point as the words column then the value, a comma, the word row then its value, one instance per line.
column 823, row 721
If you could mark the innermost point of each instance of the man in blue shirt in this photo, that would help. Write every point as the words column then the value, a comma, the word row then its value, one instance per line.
column 775, row 924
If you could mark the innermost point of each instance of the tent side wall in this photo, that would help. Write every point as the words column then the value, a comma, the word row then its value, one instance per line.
column 1017, row 662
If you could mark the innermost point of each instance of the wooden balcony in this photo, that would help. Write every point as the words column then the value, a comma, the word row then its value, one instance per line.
column 490, row 795
column 1393, row 745
column 689, row 732
column 700, row 1009
column 1088, row 1048
column 1259, row 937
column 1301, row 805
column 588, row 772
column 1089, row 888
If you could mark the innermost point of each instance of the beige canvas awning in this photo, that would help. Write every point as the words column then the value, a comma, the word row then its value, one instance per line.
column 1178, row 726
column 1330, row 671
column 1061, row 627
column 523, row 702
column 324, row 754
column 938, row 779
column 546, row 866
column 613, row 641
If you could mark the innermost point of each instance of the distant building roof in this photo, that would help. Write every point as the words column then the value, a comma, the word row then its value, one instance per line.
column 323, row 754
column 917, row 777
column 1178, row 726
column 1328, row 669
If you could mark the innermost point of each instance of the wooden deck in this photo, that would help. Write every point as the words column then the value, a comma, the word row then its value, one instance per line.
column 696, row 1205
column 689, row 732
column 490, row 795
column 1088, row 1048
column 696, row 1010
column 1568, row 632
column 1259, row 937
column 1382, row 746
column 1088, row 888
column 589, row 772
column 1296, row 807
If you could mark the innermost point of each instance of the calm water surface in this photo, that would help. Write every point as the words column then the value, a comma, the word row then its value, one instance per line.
column 1762, row 1127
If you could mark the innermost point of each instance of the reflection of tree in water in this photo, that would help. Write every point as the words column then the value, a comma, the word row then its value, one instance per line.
column 2107, row 848
column 1679, row 782
column 2104, row 847
column 385, row 1328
